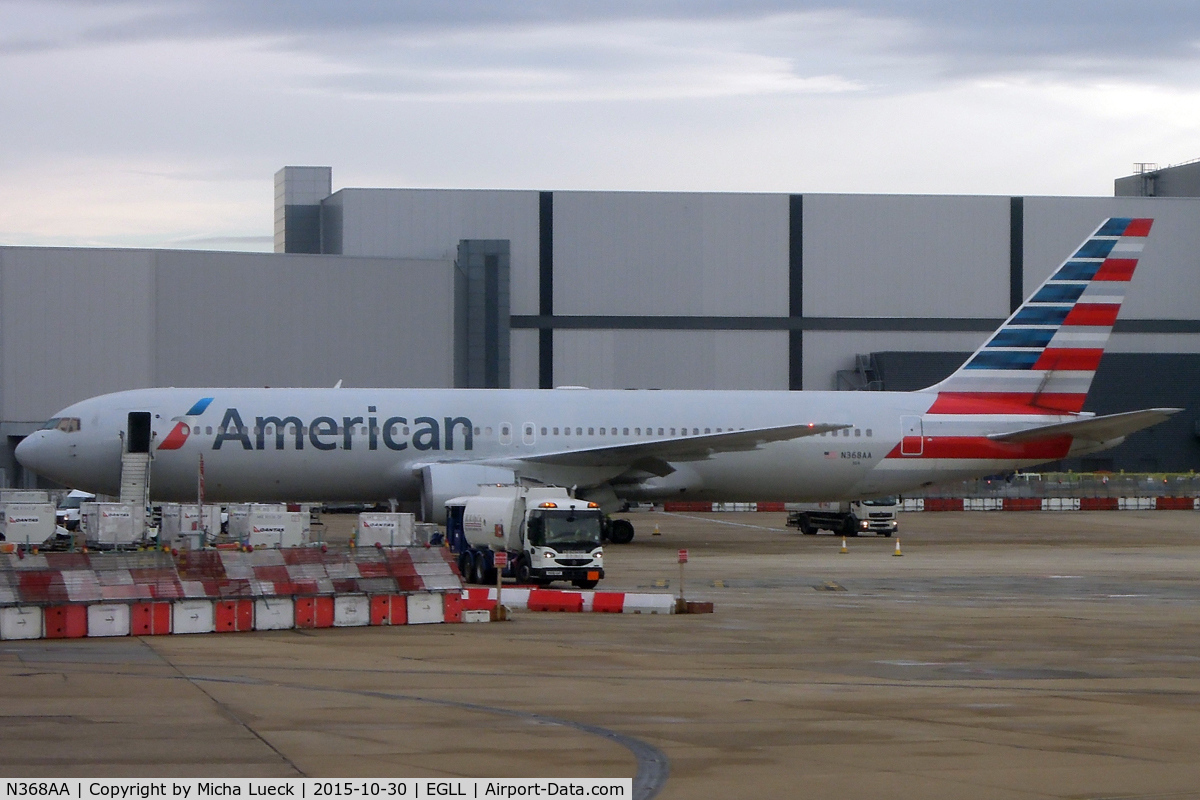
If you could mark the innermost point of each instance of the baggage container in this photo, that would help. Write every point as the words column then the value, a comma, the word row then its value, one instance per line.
column 351, row 610
column 180, row 519
column 388, row 530
column 21, row 622
column 112, row 524
column 108, row 619
column 23, row 496
column 192, row 616
column 274, row 614
column 28, row 523
column 274, row 529
column 425, row 608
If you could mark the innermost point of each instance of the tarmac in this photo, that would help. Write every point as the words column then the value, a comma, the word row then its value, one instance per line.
column 1005, row 655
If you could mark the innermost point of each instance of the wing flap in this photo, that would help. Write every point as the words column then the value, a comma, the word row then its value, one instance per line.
column 1094, row 429
column 683, row 448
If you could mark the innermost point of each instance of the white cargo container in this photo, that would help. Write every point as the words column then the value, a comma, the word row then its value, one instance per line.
column 388, row 530
column 27, row 523
column 239, row 516
column 112, row 524
column 275, row 529
column 179, row 519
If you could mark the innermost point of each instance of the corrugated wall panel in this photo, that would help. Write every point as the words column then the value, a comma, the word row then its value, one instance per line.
column 240, row 319
column 428, row 223
column 905, row 256
column 75, row 324
column 1166, row 284
column 649, row 359
column 670, row 253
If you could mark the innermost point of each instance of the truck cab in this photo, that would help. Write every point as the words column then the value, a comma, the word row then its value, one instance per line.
column 548, row 535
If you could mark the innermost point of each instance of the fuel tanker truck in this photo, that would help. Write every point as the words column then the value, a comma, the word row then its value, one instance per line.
column 547, row 535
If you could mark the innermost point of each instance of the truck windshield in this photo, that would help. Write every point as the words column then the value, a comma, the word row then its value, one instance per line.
column 880, row 501
column 565, row 530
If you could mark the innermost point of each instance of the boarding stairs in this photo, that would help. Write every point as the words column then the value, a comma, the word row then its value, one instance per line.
column 135, row 479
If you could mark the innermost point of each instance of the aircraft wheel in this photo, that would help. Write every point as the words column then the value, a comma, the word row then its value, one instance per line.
column 622, row 531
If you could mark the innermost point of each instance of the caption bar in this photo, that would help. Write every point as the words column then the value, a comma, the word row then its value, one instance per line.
column 306, row 788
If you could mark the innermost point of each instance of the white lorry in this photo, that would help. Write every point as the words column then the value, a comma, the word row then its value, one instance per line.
column 847, row 517
column 548, row 535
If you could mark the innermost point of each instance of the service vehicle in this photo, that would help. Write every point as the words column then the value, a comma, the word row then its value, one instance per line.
column 547, row 534
column 848, row 517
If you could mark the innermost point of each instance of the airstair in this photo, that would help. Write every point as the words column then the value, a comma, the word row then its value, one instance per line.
column 135, row 479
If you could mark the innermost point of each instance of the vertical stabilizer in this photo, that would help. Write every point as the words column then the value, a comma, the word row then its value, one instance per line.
column 1042, row 360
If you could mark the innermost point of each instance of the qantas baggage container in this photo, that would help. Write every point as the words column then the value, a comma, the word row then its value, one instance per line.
column 274, row 614
column 425, row 607
column 192, row 616
column 388, row 530
column 351, row 610
column 21, row 622
column 27, row 523
column 108, row 619
column 275, row 529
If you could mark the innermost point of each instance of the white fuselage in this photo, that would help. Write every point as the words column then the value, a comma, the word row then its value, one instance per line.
column 369, row 444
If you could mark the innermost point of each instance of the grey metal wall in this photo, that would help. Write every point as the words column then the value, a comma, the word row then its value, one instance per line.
column 79, row 322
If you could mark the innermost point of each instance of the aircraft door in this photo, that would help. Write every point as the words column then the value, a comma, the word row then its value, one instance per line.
column 137, row 432
column 527, row 434
column 912, row 436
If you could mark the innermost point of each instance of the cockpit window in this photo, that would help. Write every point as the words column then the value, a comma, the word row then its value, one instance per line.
column 64, row 424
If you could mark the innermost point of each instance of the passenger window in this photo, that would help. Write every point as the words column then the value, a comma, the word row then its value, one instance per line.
column 857, row 432
column 476, row 430
column 579, row 431
column 591, row 431
column 602, row 431
column 706, row 430
column 404, row 430
column 625, row 431
column 196, row 430
column 636, row 431
column 566, row 431
column 208, row 430
column 868, row 431
column 556, row 431
column 544, row 431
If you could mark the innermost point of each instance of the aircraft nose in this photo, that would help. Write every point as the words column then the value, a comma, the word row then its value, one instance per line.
column 35, row 453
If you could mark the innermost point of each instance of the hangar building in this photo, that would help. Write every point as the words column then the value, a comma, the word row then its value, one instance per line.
column 475, row 288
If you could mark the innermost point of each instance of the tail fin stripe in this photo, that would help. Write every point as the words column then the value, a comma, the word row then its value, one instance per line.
column 1116, row 269
column 1118, row 226
column 1004, row 359
column 1069, row 358
column 1041, row 315
column 1023, row 337
column 1059, row 293
column 1096, row 248
column 1077, row 271
column 1093, row 314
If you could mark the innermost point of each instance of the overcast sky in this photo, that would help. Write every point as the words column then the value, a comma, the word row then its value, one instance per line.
column 162, row 123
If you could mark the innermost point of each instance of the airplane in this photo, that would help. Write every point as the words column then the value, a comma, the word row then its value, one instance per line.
column 1016, row 402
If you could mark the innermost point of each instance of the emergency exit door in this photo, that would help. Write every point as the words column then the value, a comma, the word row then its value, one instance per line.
column 912, row 436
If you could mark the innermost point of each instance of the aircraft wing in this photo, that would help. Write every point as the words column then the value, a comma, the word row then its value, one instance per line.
column 683, row 448
column 1095, row 429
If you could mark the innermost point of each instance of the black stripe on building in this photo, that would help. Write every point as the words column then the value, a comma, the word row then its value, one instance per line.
column 545, row 289
column 796, row 291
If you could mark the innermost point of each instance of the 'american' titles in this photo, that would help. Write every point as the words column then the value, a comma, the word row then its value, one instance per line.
column 323, row 432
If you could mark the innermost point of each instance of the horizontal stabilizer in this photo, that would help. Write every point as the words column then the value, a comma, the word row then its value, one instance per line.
column 1093, row 429
column 683, row 448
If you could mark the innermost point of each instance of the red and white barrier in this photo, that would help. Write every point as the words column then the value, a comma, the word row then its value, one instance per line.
column 1051, row 504
column 481, row 599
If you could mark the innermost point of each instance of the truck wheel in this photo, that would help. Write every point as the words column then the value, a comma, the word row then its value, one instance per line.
column 464, row 565
column 850, row 526
column 622, row 531
column 523, row 572
column 805, row 526
column 478, row 569
column 887, row 534
column 586, row 584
